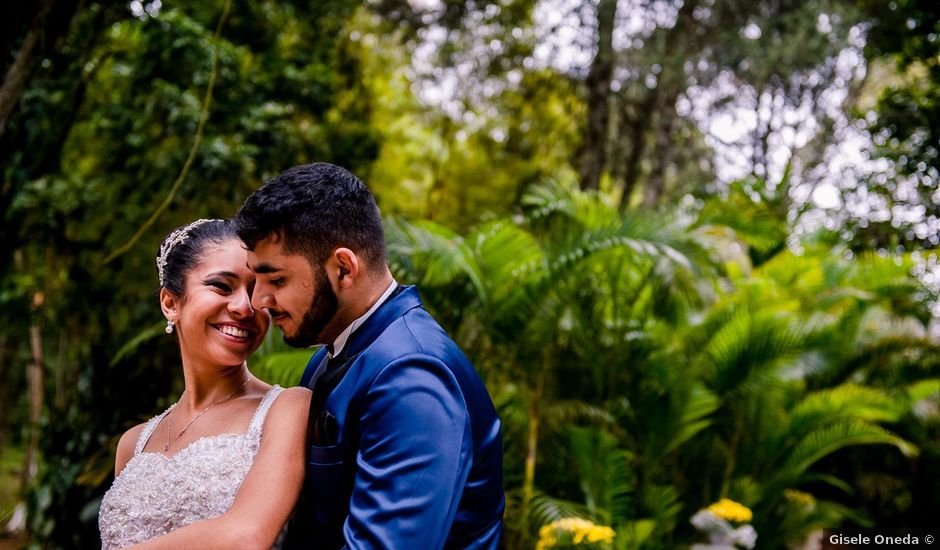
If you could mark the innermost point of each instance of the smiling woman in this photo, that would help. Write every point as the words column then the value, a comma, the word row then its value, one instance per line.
column 223, row 466
column 214, row 318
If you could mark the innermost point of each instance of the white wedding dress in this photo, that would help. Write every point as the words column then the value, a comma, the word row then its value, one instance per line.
column 154, row 495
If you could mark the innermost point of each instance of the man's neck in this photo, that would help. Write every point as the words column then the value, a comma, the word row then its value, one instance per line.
column 379, row 294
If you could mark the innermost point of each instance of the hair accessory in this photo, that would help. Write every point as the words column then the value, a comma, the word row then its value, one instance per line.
column 169, row 326
column 176, row 237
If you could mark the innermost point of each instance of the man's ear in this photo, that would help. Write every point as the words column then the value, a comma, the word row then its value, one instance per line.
column 168, row 303
column 347, row 267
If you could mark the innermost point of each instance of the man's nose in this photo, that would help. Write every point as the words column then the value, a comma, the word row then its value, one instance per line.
column 261, row 297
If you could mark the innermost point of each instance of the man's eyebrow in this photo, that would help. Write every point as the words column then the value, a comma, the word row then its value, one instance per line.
column 265, row 268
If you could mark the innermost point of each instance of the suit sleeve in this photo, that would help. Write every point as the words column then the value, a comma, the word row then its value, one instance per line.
column 414, row 458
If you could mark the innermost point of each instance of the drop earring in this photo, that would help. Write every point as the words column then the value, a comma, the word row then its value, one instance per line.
column 169, row 326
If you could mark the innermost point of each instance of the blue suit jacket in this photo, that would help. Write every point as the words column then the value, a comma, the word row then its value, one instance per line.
column 417, row 459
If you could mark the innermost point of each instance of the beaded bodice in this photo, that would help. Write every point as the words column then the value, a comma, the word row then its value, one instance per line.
column 155, row 494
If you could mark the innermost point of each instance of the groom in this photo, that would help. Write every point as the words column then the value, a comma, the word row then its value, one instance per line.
column 403, row 441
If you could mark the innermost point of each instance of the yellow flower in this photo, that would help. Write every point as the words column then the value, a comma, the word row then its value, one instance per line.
column 545, row 542
column 601, row 534
column 731, row 510
column 581, row 531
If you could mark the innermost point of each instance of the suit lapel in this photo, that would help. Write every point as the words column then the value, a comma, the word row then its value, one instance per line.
column 402, row 300
column 316, row 361
column 328, row 373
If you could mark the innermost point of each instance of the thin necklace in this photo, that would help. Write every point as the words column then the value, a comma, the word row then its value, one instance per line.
column 179, row 435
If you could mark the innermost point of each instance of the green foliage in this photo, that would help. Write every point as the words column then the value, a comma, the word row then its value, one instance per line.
column 276, row 363
column 10, row 463
column 645, row 362
column 731, row 393
column 102, row 132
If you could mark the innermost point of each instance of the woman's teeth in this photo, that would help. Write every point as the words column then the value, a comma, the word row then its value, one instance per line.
column 232, row 331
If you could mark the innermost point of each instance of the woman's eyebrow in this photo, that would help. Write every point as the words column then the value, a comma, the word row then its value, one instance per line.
column 223, row 274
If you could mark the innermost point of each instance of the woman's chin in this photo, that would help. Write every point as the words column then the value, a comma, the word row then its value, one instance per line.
column 230, row 357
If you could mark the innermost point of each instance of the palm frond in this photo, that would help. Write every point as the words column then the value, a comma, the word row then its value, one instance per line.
column 604, row 472
column 924, row 389
column 845, row 402
column 686, row 413
column 510, row 262
column 890, row 280
column 546, row 509
column 633, row 534
column 663, row 505
column 829, row 438
column 273, row 343
column 831, row 480
column 697, row 407
column 596, row 226
column 755, row 221
column 747, row 351
column 572, row 410
column 745, row 489
column 131, row 346
column 549, row 201
column 433, row 254
column 283, row 368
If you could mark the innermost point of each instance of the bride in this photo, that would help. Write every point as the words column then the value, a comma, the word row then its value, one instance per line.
column 223, row 467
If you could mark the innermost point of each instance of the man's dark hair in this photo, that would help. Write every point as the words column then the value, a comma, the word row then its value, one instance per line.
column 314, row 209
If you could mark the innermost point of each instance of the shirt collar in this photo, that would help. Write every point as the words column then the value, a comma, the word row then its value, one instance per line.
column 343, row 337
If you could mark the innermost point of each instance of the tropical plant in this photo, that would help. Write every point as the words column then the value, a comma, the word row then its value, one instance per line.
column 664, row 376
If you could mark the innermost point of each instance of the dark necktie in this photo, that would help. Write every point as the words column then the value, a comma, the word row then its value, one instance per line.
column 321, row 425
column 322, row 429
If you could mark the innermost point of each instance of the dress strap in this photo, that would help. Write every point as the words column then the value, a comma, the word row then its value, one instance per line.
column 148, row 430
column 257, row 421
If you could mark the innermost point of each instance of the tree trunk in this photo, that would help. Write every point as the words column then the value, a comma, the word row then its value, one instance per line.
column 3, row 393
column 638, row 125
column 35, row 381
column 594, row 149
column 528, row 483
column 760, row 135
column 656, row 186
column 14, row 82
column 61, row 370
column 659, row 101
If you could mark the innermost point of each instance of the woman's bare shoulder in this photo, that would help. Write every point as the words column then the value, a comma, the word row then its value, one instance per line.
column 292, row 399
column 289, row 410
column 125, row 447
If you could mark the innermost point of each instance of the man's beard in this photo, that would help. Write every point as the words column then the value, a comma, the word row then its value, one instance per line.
column 322, row 309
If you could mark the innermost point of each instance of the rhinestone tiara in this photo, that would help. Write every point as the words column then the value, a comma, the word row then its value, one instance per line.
column 178, row 236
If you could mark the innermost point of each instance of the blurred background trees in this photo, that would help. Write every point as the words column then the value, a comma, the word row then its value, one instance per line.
column 689, row 245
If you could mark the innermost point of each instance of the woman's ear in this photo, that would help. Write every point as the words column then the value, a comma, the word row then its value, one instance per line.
column 168, row 303
column 347, row 266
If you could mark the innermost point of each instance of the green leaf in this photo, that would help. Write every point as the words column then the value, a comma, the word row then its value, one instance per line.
column 283, row 368
column 131, row 346
column 698, row 405
column 828, row 439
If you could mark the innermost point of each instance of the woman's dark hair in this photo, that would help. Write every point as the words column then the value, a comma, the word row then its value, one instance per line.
column 180, row 250
column 314, row 209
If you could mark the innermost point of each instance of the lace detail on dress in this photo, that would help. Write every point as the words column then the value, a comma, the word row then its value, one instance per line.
column 154, row 495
